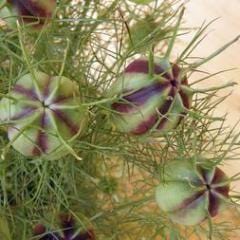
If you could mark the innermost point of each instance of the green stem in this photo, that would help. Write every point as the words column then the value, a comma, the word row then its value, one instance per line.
column 171, row 44
column 214, row 54
column 211, row 75
column 26, row 59
column 231, row 84
column 61, row 70
column 151, row 62
column 105, row 100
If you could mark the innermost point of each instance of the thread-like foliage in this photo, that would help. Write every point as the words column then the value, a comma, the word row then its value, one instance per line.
column 108, row 179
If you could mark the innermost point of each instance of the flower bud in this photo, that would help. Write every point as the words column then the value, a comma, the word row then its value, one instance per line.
column 36, row 12
column 147, row 101
column 190, row 194
column 140, row 34
column 42, row 113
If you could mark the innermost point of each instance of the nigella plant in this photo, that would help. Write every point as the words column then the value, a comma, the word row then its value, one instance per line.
column 68, row 231
column 61, row 87
column 34, row 12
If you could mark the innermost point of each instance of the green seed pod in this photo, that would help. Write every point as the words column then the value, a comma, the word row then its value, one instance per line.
column 42, row 113
column 146, row 101
column 190, row 194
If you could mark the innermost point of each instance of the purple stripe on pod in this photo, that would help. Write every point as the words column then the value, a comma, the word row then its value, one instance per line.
column 123, row 107
column 149, row 124
column 32, row 11
column 33, row 8
column 24, row 12
column 29, row 93
column 61, row 98
column 138, row 98
column 224, row 190
column 162, row 123
column 175, row 70
column 24, row 113
column 219, row 176
column 185, row 99
column 42, row 139
column 190, row 200
column 142, row 66
column 67, row 121
column 166, row 106
column 144, row 126
column 213, row 205
column 144, row 94
column 67, row 224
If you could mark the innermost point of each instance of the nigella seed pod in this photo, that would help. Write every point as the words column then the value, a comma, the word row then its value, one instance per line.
column 43, row 114
column 147, row 101
column 68, row 231
column 191, row 194
column 36, row 12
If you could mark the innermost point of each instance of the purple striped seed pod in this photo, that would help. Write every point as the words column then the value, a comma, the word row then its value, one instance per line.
column 189, row 195
column 35, row 12
column 43, row 113
column 147, row 101
column 68, row 231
